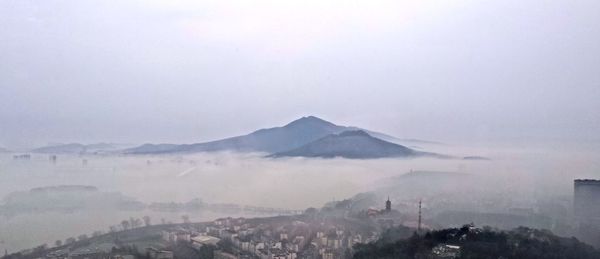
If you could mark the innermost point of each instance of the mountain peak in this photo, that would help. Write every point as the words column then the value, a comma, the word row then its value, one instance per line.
column 310, row 120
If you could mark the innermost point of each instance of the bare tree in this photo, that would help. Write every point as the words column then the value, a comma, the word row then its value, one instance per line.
column 147, row 220
column 137, row 223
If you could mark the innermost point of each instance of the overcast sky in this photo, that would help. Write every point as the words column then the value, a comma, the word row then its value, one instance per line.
column 188, row 71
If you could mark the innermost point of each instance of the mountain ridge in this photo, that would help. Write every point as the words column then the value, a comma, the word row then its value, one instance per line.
column 78, row 148
column 353, row 144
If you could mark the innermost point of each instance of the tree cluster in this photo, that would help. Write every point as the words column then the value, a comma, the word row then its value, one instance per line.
column 474, row 242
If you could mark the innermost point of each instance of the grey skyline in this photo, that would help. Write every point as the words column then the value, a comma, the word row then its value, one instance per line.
column 181, row 72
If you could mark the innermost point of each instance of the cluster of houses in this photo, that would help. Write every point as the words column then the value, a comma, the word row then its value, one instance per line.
column 311, row 236
column 280, row 238
column 273, row 239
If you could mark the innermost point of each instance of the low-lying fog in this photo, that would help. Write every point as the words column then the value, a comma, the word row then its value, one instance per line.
column 521, row 175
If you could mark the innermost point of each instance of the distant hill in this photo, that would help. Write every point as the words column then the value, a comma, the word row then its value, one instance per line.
column 154, row 149
column 63, row 148
column 77, row 148
column 64, row 188
column 476, row 158
column 4, row 150
column 272, row 140
column 61, row 198
column 355, row 144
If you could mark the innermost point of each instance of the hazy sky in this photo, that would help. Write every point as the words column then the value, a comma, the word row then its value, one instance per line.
column 185, row 71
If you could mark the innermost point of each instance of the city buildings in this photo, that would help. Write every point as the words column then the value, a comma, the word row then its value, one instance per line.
column 586, row 200
column 586, row 208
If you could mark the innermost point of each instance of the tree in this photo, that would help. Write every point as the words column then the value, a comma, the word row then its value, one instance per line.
column 136, row 223
column 131, row 222
column 58, row 243
column 147, row 220
column 70, row 240
column 206, row 251
column 311, row 211
column 478, row 243
column 226, row 245
column 186, row 219
column 40, row 248
column 113, row 229
column 82, row 237
column 125, row 224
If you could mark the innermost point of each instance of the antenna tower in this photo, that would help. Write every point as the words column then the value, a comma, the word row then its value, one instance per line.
column 419, row 226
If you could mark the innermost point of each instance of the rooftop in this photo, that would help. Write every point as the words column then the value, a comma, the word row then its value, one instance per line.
column 587, row 181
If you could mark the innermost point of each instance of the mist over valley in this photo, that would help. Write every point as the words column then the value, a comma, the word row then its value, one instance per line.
column 299, row 129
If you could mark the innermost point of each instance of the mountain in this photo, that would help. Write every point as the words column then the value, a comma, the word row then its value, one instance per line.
column 356, row 144
column 272, row 140
column 153, row 148
column 77, row 148
column 61, row 148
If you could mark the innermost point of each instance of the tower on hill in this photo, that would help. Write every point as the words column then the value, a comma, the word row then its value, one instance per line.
column 388, row 205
